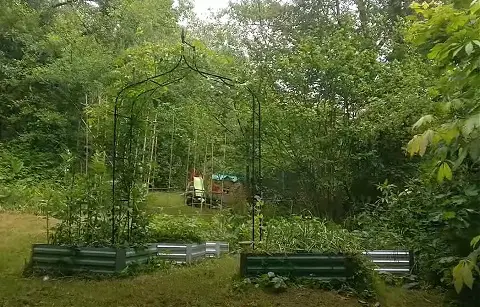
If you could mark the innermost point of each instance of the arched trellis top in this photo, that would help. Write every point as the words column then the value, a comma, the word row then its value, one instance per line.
column 123, row 211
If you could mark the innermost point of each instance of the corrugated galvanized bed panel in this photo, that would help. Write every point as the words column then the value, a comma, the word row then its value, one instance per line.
column 318, row 266
column 392, row 261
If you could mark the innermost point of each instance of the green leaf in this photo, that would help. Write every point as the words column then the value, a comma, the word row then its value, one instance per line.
column 425, row 139
column 458, row 277
column 423, row 146
column 470, row 124
column 469, row 48
column 435, row 51
column 457, row 23
column 476, row 42
column 475, row 6
column 433, row 92
column 462, row 154
column 444, row 172
column 467, row 276
column 475, row 241
column 447, row 171
column 470, row 191
column 17, row 166
column 458, row 103
column 474, row 150
column 416, row 7
column 413, row 146
column 450, row 134
column 457, row 51
column 448, row 215
column 426, row 119
column 155, row 103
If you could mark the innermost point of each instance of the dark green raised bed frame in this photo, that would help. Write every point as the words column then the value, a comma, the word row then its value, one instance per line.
column 298, row 265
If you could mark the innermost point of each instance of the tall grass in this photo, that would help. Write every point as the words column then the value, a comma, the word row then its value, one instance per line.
column 284, row 234
column 296, row 233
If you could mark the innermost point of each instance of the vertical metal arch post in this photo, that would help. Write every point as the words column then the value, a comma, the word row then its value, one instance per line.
column 255, row 175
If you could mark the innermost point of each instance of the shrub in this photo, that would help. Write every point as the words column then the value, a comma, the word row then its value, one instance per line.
column 437, row 222
column 178, row 228
column 271, row 282
column 36, row 198
column 297, row 233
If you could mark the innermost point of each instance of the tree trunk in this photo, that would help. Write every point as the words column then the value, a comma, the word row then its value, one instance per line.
column 362, row 13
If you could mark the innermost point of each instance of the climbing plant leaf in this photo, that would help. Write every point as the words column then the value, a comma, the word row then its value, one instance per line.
column 444, row 172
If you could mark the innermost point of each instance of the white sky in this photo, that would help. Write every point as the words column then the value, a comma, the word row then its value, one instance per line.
column 203, row 7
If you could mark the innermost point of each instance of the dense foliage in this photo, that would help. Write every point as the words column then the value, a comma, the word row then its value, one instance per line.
column 450, row 35
column 292, row 234
column 342, row 84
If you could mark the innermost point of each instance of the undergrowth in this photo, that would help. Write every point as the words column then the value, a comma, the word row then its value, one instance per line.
column 363, row 282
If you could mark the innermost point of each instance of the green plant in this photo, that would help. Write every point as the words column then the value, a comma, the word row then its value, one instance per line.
column 177, row 228
column 45, row 197
column 467, row 270
column 272, row 282
column 85, row 218
column 152, row 265
column 308, row 234
column 452, row 132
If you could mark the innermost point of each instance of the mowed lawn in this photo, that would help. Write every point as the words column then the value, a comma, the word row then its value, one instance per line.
column 173, row 203
column 206, row 284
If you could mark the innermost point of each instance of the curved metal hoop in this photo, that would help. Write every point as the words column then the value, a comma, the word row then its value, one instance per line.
column 122, row 183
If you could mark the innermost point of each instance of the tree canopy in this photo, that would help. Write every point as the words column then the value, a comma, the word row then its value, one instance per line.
column 369, row 109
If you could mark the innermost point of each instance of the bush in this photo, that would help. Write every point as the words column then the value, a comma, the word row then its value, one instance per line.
column 179, row 228
column 271, row 282
column 286, row 234
column 437, row 222
column 223, row 226
column 363, row 283
column 86, row 217
column 35, row 198
column 297, row 233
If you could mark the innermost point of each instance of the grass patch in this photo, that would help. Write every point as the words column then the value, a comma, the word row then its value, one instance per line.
column 173, row 203
column 17, row 233
column 206, row 284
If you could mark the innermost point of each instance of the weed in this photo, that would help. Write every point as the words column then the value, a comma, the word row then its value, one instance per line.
column 272, row 282
column 307, row 234
column 200, row 285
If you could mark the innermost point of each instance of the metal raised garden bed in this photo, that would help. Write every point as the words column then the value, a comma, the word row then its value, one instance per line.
column 181, row 252
column 216, row 249
column 103, row 260
column 392, row 261
column 308, row 265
